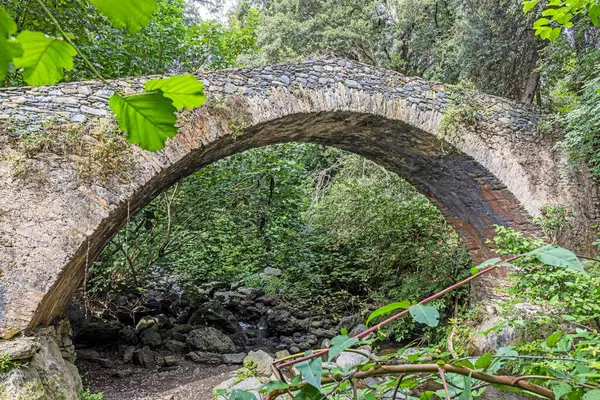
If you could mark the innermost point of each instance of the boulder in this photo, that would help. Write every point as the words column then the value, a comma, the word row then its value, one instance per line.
column 272, row 271
column 282, row 321
column 360, row 328
column 170, row 361
column 251, row 293
column 128, row 335
column 234, row 358
column 209, row 339
column 204, row 357
column 146, row 323
column 182, row 328
column 259, row 362
column 151, row 338
column 214, row 314
column 97, row 332
column 248, row 385
column 144, row 357
column 349, row 360
column 175, row 346
column 348, row 322
column 20, row 348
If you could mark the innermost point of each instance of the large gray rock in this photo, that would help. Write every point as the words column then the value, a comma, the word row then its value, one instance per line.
column 144, row 357
column 151, row 338
column 175, row 346
column 20, row 348
column 235, row 358
column 209, row 339
column 282, row 321
column 45, row 376
column 260, row 362
column 349, row 360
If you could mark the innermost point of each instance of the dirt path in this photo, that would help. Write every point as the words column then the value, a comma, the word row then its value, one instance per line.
column 188, row 381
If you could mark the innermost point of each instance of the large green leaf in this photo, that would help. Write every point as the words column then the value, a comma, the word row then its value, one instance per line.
column 425, row 315
column 44, row 58
column 557, row 257
column 592, row 395
column 130, row 14
column 9, row 48
column 241, row 395
column 485, row 264
column 308, row 392
column 311, row 370
column 186, row 91
column 339, row 344
column 466, row 393
column 387, row 309
column 148, row 118
column 484, row 361
column 561, row 389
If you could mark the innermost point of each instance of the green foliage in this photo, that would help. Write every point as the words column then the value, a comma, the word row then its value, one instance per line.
column 44, row 58
column 554, row 219
column 132, row 14
column 241, row 395
column 387, row 309
column 339, row 344
column 425, row 315
column 148, row 118
column 184, row 90
column 311, row 371
column 7, row 364
column 561, row 15
column 89, row 395
column 9, row 49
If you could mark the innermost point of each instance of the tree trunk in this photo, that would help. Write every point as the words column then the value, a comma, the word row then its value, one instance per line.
column 530, row 87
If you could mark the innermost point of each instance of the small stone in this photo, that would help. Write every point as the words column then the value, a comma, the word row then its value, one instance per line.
column 260, row 362
column 184, row 328
column 171, row 361
column 234, row 358
column 145, row 323
column 93, row 111
column 19, row 349
column 84, row 90
column 78, row 118
column 282, row 354
column 85, row 354
column 104, row 362
column 203, row 357
column 294, row 349
column 229, row 88
column 122, row 373
column 128, row 354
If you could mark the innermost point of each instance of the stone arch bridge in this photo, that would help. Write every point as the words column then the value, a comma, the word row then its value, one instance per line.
column 54, row 220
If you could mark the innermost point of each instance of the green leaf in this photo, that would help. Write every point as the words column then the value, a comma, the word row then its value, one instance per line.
column 466, row 393
column 241, row 395
column 555, row 33
column 553, row 339
column 44, row 58
column 311, row 370
column 592, row 395
column 484, row 361
column 528, row 5
column 9, row 48
column 557, row 257
column 132, row 14
column 387, row 309
column 148, row 118
column 273, row 385
column 186, row 91
column 561, row 389
column 425, row 315
column 485, row 264
column 464, row 363
column 308, row 392
column 339, row 344
column 541, row 22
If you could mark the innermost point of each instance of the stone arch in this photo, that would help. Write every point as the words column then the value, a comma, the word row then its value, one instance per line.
column 498, row 172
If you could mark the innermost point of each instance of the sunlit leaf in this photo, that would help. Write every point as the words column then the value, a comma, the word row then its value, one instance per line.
column 339, row 344
column 130, row 14
column 553, row 339
column 44, row 58
column 485, row 264
column 387, row 309
column 484, row 361
column 528, row 5
column 273, row 385
column 466, row 393
column 148, row 118
column 9, row 48
column 311, row 371
column 186, row 91
column 425, row 315
column 557, row 257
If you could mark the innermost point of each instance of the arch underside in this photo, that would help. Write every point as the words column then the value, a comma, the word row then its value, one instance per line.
column 469, row 196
